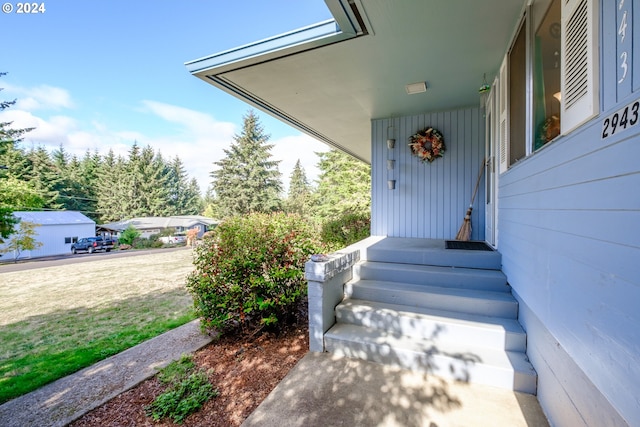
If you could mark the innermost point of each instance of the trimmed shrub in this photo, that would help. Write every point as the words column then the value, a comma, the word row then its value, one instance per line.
column 148, row 243
column 347, row 229
column 250, row 272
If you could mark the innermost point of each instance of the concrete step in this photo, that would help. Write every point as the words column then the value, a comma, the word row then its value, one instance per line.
column 459, row 361
column 431, row 252
column 425, row 323
column 485, row 303
column 467, row 278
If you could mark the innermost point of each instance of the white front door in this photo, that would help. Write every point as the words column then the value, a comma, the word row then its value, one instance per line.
column 491, row 126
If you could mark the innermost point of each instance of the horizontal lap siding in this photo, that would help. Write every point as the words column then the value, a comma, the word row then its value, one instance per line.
column 430, row 199
column 569, row 221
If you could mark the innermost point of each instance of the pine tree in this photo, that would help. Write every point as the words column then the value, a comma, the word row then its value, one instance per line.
column 247, row 179
column 78, row 181
column 192, row 199
column 152, row 182
column 110, row 188
column 344, row 186
column 184, row 195
column 299, row 195
column 9, row 139
column 43, row 177
column 210, row 204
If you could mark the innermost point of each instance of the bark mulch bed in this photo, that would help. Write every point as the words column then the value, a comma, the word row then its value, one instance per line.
column 243, row 369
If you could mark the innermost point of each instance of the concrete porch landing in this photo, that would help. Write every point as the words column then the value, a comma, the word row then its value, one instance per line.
column 426, row 252
column 325, row 390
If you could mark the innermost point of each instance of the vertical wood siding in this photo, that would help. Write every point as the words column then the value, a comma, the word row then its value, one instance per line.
column 430, row 199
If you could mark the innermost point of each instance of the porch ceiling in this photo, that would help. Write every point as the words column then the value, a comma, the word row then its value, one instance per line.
column 331, row 82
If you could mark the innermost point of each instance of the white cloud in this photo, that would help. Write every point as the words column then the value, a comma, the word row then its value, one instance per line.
column 199, row 142
column 303, row 147
column 40, row 97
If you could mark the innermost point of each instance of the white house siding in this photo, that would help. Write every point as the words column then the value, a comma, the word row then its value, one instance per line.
column 430, row 199
column 569, row 234
column 53, row 229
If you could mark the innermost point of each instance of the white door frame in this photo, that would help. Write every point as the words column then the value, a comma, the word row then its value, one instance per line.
column 492, row 122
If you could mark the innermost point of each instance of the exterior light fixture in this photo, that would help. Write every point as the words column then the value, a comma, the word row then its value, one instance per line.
column 414, row 88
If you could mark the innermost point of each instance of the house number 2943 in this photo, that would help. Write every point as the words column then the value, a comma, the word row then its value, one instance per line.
column 622, row 32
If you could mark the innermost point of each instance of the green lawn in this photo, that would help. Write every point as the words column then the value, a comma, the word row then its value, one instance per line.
column 57, row 320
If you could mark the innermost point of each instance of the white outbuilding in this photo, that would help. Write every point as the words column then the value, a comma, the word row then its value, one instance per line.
column 56, row 230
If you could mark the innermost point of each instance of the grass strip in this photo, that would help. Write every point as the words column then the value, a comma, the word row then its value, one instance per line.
column 57, row 320
column 20, row 375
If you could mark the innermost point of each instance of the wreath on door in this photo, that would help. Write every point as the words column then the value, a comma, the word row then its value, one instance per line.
column 427, row 144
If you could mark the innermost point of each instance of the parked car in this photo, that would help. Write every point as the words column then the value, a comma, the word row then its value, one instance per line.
column 176, row 239
column 91, row 245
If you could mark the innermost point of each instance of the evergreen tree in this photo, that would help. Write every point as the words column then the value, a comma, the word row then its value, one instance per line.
column 184, row 195
column 78, row 180
column 299, row 195
column 152, row 183
column 9, row 139
column 43, row 177
column 192, row 199
column 210, row 204
column 90, row 170
column 111, row 189
column 247, row 179
column 344, row 186
column 130, row 197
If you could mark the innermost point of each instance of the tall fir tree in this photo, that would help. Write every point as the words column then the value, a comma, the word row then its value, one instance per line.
column 111, row 188
column 184, row 195
column 344, row 186
column 299, row 195
column 153, row 183
column 43, row 177
column 192, row 199
column 9, row 152
column 247, row 179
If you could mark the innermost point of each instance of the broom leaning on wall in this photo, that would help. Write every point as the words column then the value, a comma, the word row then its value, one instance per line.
column 464, row 234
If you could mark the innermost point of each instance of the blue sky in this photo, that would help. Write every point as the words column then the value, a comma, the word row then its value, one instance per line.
column 102, row 74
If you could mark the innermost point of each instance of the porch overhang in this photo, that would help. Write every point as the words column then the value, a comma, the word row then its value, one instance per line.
column 331, row 79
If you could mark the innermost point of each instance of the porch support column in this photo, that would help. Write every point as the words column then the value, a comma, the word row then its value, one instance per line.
column 325, row 285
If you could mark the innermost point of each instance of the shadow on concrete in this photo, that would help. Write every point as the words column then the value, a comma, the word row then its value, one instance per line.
column 325, row 390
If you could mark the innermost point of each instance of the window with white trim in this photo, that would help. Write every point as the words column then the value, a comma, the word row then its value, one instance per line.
column 549, row 79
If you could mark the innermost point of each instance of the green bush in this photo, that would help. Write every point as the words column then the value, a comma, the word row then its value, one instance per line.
column 250, row 272
column 150, row 243
column 129, row 235
column 348, row 229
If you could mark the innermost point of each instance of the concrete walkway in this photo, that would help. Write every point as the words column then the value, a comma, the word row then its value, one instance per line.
column 68, row 398
column 322, row 390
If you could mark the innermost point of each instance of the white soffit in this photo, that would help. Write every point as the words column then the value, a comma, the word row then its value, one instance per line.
column 331, row 79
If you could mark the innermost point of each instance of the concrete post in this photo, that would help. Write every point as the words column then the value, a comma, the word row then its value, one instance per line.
column 325, row 282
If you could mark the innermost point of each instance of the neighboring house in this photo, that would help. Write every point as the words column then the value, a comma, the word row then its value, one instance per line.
column 56, row 230
column 154, row 225
column 558, row 126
